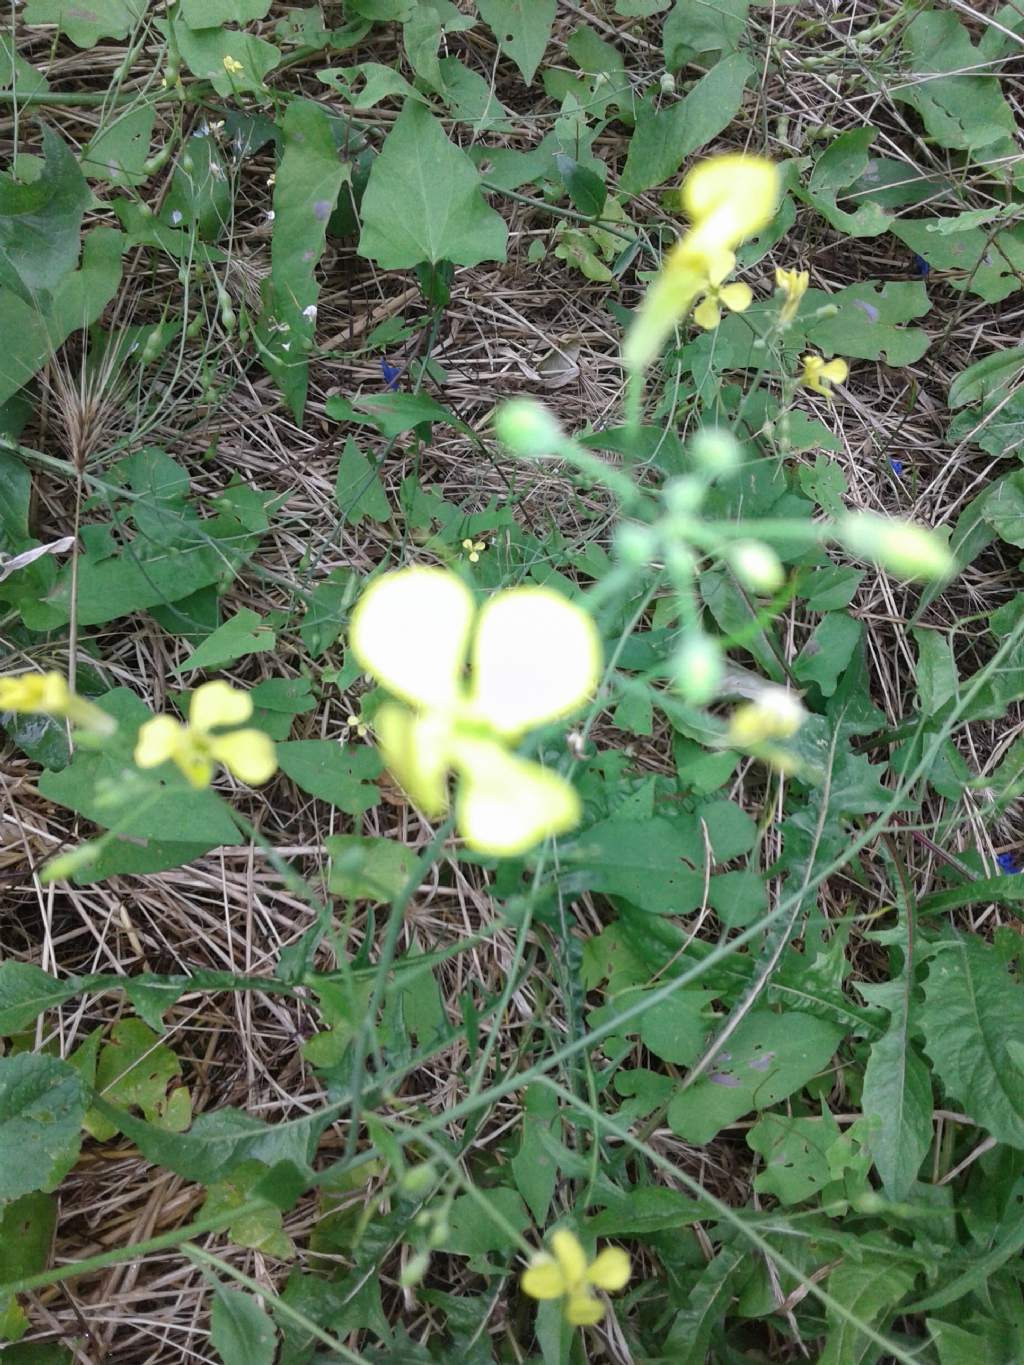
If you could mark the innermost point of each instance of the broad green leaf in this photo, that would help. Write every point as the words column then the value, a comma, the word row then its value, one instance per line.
column 392, row 413
column 869, row 1289
column 41, row 222
column 357, row 490
column 868, row 321
column 652, row 863
column 205, row 50
column 17, row 74
column 825, row 656
column 645, row 1210
column 472, row 1233
column 136, row 1070
column 117, row 153
column 342, row 774
column 522, row 28
column 42, row 1104
column 242, row 634
column 25, row 991
column 675, row 1029
column 937, row 677
column 795, row 1152
column 86, row 24
column 738, row 898
column 327, row 610
column 533, row 1167
column 365, row 85
column 987, row 378
column 695, row 30
column 240, row 1330
column 213, row 13
column 665, row 137
column 471, row 99
column 26, row 1234
column 201, row 197
column 422, row 34
column 262, row 1230
column 842, row 165
column 308, row 182
column 990, row 267
column 424, row 202
column 897, row 1094
column 768, row 1058
column 586, row 190
column 368, row 869
column 973, row 1022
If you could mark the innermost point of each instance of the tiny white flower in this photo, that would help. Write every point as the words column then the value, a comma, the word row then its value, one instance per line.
column 203, row 130
column 176, row 217
column 271, row 215
column 309, row 312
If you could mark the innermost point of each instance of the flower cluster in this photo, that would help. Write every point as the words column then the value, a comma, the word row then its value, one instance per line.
column 566, row 1274
column 533, row 657
column 196, row 749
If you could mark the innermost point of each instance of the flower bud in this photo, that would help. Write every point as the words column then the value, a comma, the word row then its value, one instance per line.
column 668, row 83
column 683, row 496
column 417, row 1180
column 757, row 566
column 698, row 668
column 902, row 547
column 527, row 428
column 415, row 1269
column 775, row 714
column 635, row 545
column 715, row 451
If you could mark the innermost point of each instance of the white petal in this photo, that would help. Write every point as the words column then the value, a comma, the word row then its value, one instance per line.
column 506, row 804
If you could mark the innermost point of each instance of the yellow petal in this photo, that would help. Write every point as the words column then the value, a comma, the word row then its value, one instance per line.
column 158, row 740
column 410, row 629
column 737, row 297
column 729, row 198
column 505, row 804
column 417, row 751
column 218, row 703
column 249, row 754
column 707, row 314
column 536, row 657
column 543, row 1278
column 835, row 371
column 43, row 693
column 571, row 1258
column 583, row 1309
column 610, row 1270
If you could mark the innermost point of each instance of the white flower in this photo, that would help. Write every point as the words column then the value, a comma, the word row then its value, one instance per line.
column 176, row 217
column 309, row 312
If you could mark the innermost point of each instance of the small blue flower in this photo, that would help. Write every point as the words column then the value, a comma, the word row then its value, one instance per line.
column 921, row 266
column 390, row 373
column 1009, row 862
column 897, row 468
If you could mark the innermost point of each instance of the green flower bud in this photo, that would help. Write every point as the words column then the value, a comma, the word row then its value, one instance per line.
column 667, row 83
column 527, row 428
column 415, row 1269
column 417, row 1180
column 902, row 547
column 635, row 545
column 757, row 566
column 716, row 451
column 698, row 668
column 683, row 496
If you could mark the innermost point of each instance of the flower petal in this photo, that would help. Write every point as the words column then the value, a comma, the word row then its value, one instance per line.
column 835, row 371
column 506, row 804
column 249, row 754
column 417, row 751
column 410, row 629
column 158, row 740
column 610, row 1270
column 583, row 1309
column 543, row 1279
column 707, row 314
column 729, row 198
column 44, row 693
column 536, row 656
column 218, row 703
column 569, row 1254
column 737, row 297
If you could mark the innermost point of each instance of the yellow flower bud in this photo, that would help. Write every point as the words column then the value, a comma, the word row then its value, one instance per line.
column 902, row 547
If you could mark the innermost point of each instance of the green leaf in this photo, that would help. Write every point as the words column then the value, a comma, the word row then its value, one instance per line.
column 795, row 1154
column 522, row 28
column 676, row 1028
column 118, row 152
column 136, row 1070
column 340, row 774
column 987, row 378
column 827, row 654
column 214, row 13
column 242, row 634
column 897, row 1094
column 695, row 30
column 25, row 991
column 262, row 1231
column 327, row 610
column 768, row 1058
column 665, row 137
column 392, row 413
column 937, row 677
column 643, row 1211
column 42, row 1104
column 973, row 1024
column 586, row 190
column 240, row 1331
column 201, row 197
column 423, row 201
column 204, row 50
column 473, row 1232
column 840, row 167
column 533, row 1167
column 357, row 490
column 17, row 74
column 306, row 190
column 41, row 222
column 26, row 1234
column 86, row 24
column 369, row 869
column 869, row 1289
column 866, row 324
column 990, row 267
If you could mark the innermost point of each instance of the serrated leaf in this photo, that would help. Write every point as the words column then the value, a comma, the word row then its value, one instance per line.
column 240, row 1331
column 306, row 190
column 665, row 137
column 340, row 774
column 972, row 1011
column 42, row 1104
column 689, row 1336
column 522, row 27
column 244, row 633
column 423, row 201
column 41, row 222
column 768, row 1058
column 86, row 24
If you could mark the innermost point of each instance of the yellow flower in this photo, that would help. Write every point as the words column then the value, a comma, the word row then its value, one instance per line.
column 195, row 749
column 736, row 297
column 775, row 714
column 47, row 694
column 793, row 285
column 232, row 67
column 356, row 726
column 820, row 375
column 534, row 657
column 728, row 199
column 566, row 1275
column 474, row 549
